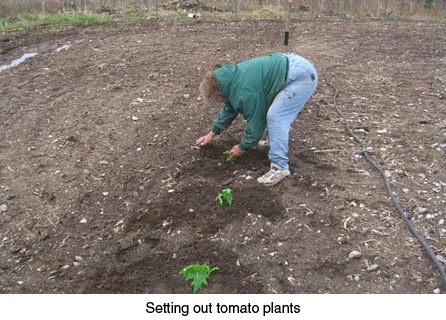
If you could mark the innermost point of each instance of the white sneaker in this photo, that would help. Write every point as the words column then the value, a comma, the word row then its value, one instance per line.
column 263, row 143
column 274, row 175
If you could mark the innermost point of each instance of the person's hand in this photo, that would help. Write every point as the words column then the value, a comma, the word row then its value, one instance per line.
column 204, row 140
column 236, row 152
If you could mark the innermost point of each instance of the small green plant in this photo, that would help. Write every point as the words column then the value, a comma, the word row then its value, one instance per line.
column 229, row 158
column 443, row 138
column 198, row 274
column 392, row 17
column 224, row 195
column 407, row 58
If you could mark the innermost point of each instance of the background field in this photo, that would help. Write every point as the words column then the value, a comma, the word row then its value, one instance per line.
column 352, row 8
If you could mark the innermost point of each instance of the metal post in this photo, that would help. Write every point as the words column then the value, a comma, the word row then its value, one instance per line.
column 287, row 23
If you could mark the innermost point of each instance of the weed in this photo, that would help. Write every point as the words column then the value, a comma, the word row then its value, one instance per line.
column 199, row 275
column 407, row 58
column 443, row 138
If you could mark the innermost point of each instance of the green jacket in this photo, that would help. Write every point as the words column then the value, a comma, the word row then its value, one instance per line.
column 250, row 87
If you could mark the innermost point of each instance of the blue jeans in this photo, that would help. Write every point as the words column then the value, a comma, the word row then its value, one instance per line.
column 301, row 82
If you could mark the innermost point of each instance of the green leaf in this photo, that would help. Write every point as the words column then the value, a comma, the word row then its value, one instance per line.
column 229, row 158
column 219, row 199
column 226, row 195
column 198, row 274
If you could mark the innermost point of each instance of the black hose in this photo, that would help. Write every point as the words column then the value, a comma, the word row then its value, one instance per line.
column 383, row 176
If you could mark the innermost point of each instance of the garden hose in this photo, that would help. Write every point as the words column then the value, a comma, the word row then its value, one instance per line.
column 383, row 176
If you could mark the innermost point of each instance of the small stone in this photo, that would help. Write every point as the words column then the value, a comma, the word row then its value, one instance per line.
column 134, row 118
column 15, row 249
column 76, row 264
column 83, row 221
column 3, row 208
column 373, row 267
column 342, row 240
column 186, row 96
column 421, row 210
column 387, row 174
column 441, row 259
column 437, row 291
column 78, row 258
column 354, row 254
column 292, row 280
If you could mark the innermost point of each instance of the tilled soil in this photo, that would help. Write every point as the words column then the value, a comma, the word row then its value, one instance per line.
column 102, row 190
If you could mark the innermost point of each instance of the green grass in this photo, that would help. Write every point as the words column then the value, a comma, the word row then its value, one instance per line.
column 443, row 138
column 393, row 17
column 26, row 21
column 27, row 16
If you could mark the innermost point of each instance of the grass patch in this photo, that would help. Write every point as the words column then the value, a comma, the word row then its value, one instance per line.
column 131, row 13
column 443, row 138
column 27, row 16
column 393, row 17
column 268, row 12
column 26, row 21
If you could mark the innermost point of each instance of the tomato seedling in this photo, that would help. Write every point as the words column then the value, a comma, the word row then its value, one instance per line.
column 225, row 195
column 198, row 273
column 229, row 158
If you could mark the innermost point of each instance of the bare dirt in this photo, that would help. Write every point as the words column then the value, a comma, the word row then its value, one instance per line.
column 102, row 190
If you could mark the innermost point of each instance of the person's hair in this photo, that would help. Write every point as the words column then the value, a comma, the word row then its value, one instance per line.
column 210, row 89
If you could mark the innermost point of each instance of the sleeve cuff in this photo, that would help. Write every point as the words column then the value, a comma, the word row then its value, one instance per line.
column 216, row 129
column 244, row 147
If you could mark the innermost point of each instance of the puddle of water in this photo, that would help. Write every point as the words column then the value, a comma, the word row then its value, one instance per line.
column 64, row 47
column 18, row 61
column 30, row 55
